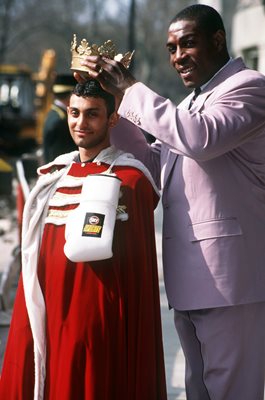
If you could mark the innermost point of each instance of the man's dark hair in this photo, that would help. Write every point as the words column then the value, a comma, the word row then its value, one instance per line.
column 206, row 18
column 92, row 88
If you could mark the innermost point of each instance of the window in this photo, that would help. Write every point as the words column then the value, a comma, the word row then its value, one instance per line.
column 251, row 57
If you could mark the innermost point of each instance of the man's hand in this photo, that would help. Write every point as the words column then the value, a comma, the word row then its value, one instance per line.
column 111, row 74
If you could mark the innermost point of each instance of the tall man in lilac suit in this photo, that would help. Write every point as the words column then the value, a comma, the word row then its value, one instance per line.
column 210, row 159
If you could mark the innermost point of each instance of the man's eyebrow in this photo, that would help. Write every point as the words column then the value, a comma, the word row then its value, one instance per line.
column 87, row 109
column 182, row 38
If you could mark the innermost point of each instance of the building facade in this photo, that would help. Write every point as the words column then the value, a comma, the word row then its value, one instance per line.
column 248, row 38
column 245, row 25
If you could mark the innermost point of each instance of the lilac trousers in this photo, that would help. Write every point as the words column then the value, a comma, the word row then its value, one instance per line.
column 224, row 350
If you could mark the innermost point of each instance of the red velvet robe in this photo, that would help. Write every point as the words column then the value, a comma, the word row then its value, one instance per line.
column 103, row 324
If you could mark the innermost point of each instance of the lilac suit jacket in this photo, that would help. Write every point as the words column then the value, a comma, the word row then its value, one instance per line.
column 210, row 162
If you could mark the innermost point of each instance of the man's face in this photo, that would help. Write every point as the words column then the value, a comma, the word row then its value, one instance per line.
column 193, row 53
column 89, row 123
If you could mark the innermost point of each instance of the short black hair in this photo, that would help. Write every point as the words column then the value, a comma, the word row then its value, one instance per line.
column 206, row 17
column 92, row 88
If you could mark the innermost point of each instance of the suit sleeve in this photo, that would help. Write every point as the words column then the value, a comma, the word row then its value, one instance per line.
column 129, row 138
column 225, row 122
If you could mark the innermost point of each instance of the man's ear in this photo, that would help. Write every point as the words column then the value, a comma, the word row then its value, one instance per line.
column 219, row 39
column 113, row 119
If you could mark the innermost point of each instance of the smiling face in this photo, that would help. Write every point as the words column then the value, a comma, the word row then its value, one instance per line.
column 196, row 55
column 89, row 124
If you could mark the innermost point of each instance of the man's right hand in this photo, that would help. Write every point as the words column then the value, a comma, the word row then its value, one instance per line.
column 111, row 74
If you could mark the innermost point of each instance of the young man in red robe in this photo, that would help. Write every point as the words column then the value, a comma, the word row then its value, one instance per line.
column 87, row 330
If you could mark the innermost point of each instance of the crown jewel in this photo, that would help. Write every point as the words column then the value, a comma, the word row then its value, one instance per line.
column 108, row 49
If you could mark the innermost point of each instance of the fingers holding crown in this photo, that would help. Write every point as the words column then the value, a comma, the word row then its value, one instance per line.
column 96, row 66
column 99, row 62
column 113, row 76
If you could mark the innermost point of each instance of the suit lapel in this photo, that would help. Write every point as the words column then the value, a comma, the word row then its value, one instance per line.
column 169, row 162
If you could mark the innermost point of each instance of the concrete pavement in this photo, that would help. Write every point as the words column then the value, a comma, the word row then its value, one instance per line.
column 174, row 358
column 8, row 269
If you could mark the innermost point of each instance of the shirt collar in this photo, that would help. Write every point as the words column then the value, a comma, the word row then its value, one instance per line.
column 207, row 83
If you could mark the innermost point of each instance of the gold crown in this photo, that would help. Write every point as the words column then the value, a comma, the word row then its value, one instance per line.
column 108, row 49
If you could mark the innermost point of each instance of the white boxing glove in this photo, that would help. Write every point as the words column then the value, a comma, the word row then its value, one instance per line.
column 89, row 228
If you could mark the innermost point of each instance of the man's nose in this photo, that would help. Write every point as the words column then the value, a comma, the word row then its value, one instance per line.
column 179, row 54
column 82, row 121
